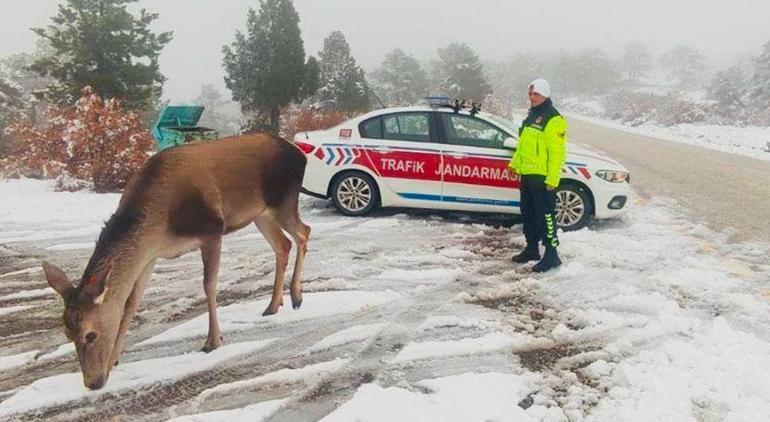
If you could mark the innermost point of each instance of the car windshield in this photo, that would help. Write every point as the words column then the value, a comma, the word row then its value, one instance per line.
column 505, row 124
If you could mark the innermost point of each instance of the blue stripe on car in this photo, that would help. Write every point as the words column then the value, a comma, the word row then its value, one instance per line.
column 458, row 199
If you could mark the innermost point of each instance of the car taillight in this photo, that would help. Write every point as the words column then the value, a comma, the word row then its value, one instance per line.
column 305, row 147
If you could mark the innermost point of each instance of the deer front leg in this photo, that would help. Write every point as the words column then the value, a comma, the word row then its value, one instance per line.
column 281, row 246
column 210, row 252
column 129, row 311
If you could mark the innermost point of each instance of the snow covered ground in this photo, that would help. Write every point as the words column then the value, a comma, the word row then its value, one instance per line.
column 748, row 141
column 407, row 316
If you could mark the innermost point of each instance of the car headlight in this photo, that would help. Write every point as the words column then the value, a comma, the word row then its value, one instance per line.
column 613, row 176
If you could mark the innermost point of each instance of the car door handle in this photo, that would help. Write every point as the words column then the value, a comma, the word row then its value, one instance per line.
column 382, row 150
column 457, row 154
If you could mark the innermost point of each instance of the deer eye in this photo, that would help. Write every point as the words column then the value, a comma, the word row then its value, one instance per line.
column 90, row 337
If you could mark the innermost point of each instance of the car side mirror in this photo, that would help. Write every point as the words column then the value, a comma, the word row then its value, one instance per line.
column 509, row 143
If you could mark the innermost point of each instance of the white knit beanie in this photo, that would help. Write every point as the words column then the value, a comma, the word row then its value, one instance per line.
column 541, row 86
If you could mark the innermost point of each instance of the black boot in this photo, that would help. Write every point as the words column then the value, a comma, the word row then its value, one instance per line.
column 550, row 260
column 530, row 253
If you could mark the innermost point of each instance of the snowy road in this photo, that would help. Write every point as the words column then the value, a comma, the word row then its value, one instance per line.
column 727, row 190
column 407, row 316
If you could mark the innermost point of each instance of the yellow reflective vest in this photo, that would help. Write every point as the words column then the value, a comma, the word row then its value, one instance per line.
column 542, row 147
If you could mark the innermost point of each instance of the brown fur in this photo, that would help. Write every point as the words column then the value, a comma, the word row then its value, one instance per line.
column 183, row 199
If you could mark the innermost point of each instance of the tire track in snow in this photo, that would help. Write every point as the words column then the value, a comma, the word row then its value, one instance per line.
column 154, row 401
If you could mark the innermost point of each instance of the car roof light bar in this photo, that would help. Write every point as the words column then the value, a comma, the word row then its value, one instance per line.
column 455, row 104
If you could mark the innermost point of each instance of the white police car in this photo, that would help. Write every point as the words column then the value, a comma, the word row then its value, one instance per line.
column 443, row 156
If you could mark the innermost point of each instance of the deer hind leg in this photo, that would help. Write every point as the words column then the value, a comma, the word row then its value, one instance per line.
column 300, row 232
column 210, row 252
column 281, row 246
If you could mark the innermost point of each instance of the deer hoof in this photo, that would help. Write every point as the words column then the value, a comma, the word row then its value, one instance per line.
column 211, row 345
column 296, row 299
column 269, row 311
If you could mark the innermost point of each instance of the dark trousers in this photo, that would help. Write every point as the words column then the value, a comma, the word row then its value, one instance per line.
column 538, row 211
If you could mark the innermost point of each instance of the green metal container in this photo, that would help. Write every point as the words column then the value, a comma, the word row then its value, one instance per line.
column 177, row 125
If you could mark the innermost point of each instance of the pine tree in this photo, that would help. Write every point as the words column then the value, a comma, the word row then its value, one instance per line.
column 19, row 92
column 590, row 71
column 342, row 81
column 510, row 77
column 312, row 80
column 11, row 105
column 462, row 75
column 10, row 96
column 219, row 113
column 401, row 79
column 636, row 61
column 727, row 88
column 760, row 79
column 99, row 43
column 265, row 66
column 684, row 66
column 17, row 69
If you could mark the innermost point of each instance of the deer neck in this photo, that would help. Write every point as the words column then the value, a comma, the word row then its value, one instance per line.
column 125, row 246
column 128, row 264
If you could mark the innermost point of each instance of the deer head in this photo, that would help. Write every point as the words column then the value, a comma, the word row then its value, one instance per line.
column 89, row 321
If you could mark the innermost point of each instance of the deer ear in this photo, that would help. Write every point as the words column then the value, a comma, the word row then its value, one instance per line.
column 94, row 286
column 57, row 279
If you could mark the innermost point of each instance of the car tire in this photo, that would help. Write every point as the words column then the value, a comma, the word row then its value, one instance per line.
column 574, row 208
column 355, row 194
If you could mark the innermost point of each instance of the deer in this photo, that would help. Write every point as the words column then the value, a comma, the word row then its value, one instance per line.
column 183, row 199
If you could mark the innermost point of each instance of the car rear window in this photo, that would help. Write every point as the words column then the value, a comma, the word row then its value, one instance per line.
column 372, row 128
column 413, row 127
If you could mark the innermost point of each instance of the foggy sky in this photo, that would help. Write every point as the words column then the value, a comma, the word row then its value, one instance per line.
column 722, row 30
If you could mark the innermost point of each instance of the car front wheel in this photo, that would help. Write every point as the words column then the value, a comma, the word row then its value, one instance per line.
column 355, row 194
column 573, row 207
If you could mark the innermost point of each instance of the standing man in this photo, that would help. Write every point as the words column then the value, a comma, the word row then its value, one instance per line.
column 539, row 159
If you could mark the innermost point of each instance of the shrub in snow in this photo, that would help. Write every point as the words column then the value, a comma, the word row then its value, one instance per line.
column 760, row 117
column 583, row 105
column 67, row 183
column 96, row 140
column 304, row 118
column 22, row 92
column 637, row 108
column 634, row 108
column 675, row 109
column 37, row 151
